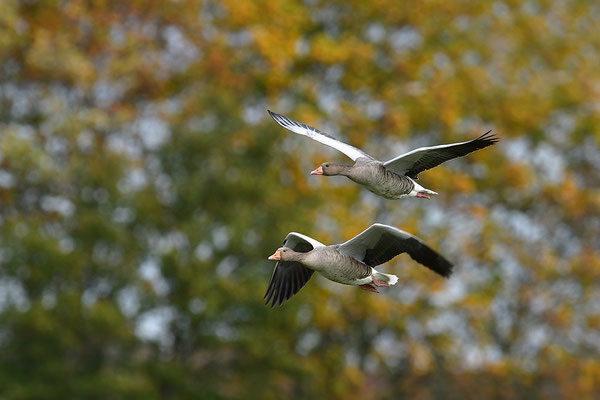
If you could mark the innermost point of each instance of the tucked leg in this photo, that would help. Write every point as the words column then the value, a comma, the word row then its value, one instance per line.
column 380, row 283
column 368, row 287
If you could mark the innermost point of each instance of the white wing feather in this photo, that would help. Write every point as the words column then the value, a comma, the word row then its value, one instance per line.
column 292, row 239
column 315, row 134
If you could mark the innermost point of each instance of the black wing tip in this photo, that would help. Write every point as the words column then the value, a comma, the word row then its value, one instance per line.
column 271, row 296
column 428, row 257
column 487, row 139
column 272, row 304
column 282, row 119
column 277, row 299
column 445, row 269
column 275, row 116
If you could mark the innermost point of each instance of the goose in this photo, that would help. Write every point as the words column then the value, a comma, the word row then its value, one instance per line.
column 393, row 179
column 349, row 263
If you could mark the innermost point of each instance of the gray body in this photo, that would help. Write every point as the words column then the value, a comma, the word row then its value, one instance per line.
column 335, row 266
column 379, row 180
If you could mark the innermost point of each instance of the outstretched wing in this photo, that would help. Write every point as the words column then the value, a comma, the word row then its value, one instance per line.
column 305, row 130
column 423, row 158
column 380, row 243
column 290, row 276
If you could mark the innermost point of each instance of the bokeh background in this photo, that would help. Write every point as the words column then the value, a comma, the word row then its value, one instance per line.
column 143, row 185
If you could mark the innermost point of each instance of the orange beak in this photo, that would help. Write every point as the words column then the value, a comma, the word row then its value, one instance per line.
column 276, row 256
column 318, row 171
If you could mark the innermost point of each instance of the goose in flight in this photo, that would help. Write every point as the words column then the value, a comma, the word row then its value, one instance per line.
column 393, row 179
column 349, row 263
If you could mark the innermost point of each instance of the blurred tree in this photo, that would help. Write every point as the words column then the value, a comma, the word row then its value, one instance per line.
column 142, row 186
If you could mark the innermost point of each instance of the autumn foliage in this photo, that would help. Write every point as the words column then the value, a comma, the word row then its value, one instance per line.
column 143, row 185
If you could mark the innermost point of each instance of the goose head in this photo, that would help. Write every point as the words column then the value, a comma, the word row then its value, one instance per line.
column 285, row 254
column 329, row 169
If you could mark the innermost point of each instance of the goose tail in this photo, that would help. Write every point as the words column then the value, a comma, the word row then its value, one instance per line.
column 388, row 278
column 420, row 191
column 429, row 192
